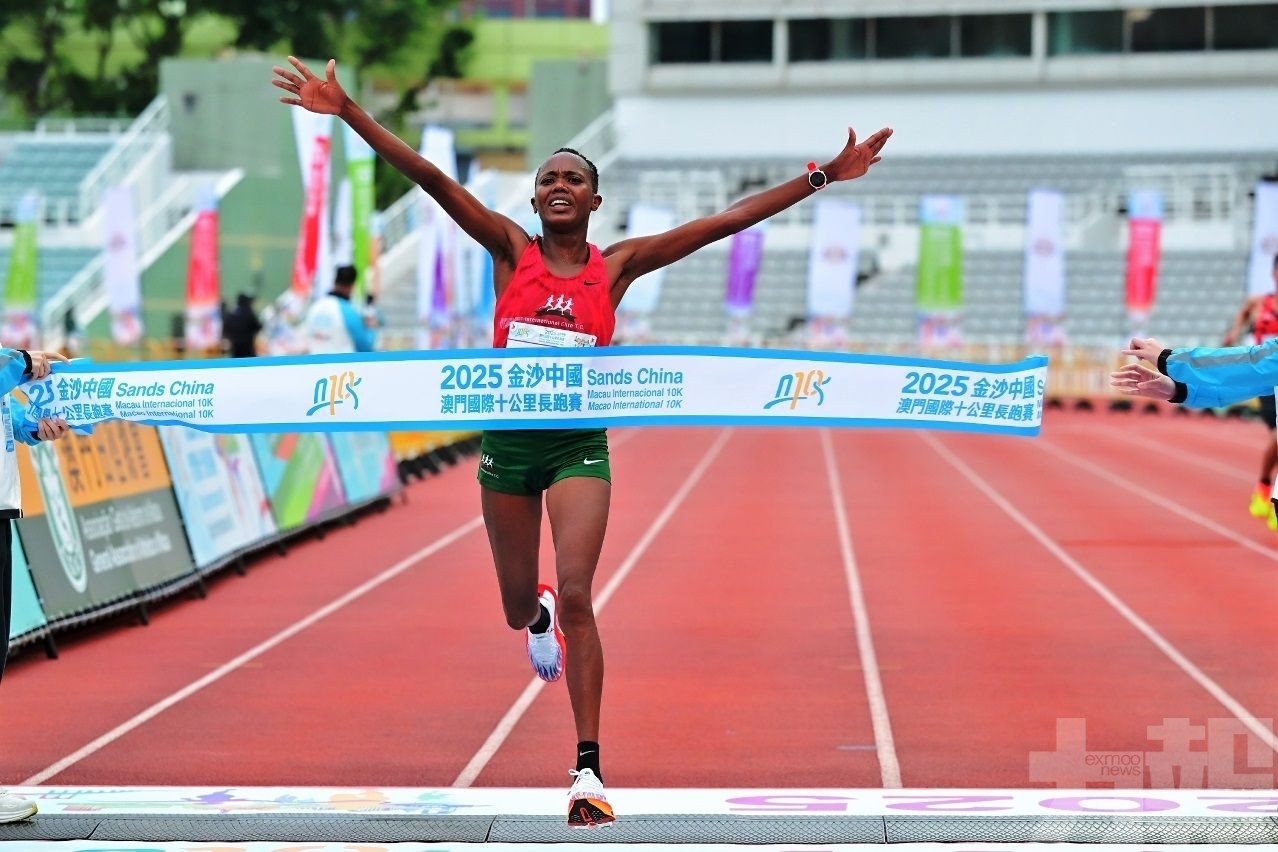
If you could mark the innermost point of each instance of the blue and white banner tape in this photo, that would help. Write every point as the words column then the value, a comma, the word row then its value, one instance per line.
column 548, row 388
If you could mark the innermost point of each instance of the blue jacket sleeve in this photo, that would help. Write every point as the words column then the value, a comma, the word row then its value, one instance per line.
column 1230, row 366
column 1215, row 396
column 361, row 335
column 23, row 430
column 12, row 369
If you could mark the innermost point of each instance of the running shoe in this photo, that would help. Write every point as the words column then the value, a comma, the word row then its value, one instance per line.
column 1272, row 521
column 1261, row 507
column 14, row 808
column 587, row 805
column 547, row 651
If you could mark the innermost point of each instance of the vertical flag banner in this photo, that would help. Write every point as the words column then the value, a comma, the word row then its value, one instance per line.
column 122, row 276
column 360, row 163
column 343, row 247
column 634, row 314
column 375, row 255
column 744, row 256
column 1045, row 268
column 1144, row 226
column 940, row 273
column 203, row 286
column 833, row 260
column 312, row 133
column 436, row 251
column 20, row 286
column 1264, row 241
column 474, row 271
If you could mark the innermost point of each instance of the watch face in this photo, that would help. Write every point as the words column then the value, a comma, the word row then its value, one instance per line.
column 817, row 179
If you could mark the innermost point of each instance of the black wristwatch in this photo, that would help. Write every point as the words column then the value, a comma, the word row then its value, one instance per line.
column 816, row 177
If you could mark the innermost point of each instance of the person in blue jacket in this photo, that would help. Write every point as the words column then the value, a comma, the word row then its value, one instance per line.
column 334, row 324
column 1199, row 377
column 17, row 366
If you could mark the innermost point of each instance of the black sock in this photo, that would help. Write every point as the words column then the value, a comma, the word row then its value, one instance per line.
column 588, row 757
column 1266, row 480
column 542, row 624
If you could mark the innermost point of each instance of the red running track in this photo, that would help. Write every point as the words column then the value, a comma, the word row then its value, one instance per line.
column 980, row 589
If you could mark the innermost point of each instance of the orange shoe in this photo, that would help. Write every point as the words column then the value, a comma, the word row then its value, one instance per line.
column 587, row 804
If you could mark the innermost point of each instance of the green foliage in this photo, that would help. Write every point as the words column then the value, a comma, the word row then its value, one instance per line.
column 102, row 57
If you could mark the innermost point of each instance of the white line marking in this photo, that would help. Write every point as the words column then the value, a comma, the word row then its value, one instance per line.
column 507, row 724
column 884, row 744
column 1262, row 732
column 226, row 668
column 1155, row 447
column 285, row 634
column 1163, row 502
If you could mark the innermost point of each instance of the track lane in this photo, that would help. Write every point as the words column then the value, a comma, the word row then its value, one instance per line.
column 731, row 652
column 985, row 640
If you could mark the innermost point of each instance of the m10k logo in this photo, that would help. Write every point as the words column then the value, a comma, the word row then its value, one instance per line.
column 798, row 387
column 335, row 390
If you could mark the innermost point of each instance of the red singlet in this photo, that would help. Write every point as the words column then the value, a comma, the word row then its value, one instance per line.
column 1266, row 323
column 581, row 303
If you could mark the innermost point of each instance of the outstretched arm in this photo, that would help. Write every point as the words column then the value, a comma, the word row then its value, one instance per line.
column 1139, row 380
column 629, row 259
column 503, row 239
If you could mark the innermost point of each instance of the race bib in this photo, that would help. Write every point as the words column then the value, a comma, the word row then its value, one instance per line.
column 523, row 335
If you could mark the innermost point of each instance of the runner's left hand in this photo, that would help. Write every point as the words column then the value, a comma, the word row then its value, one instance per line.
column 855, row 159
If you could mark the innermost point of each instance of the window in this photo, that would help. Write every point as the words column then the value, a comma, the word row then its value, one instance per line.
column 712, row 41
column 745, row 41
column 1245, row 27
column 912, row 38
column 681, row 41
column 1167, row 30
column 1084, row 32
column 994, row 35
column 821, row 39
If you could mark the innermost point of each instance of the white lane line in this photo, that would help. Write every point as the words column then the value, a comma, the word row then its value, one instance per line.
column 252, row 654
column 507, row 724
column 1181, row 455
column 255, row 652
column 884, row 744
column 1162, row 502
column 1262, row 732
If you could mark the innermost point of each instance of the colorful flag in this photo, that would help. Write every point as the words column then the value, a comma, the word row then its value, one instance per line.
column 436, row 252
column 744, row 256
column 312, row 133
column 20, row 286
column 360, row 163
column 1264, row 241
column 121, row 271
column 203, row 290
column 1144, row 226
column 1044, row 277
column 833, row 259
column 940, row 271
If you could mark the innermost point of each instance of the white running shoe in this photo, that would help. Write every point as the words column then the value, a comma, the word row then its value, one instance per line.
column 587, row 804
column 547, row 651
column 14, row 807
